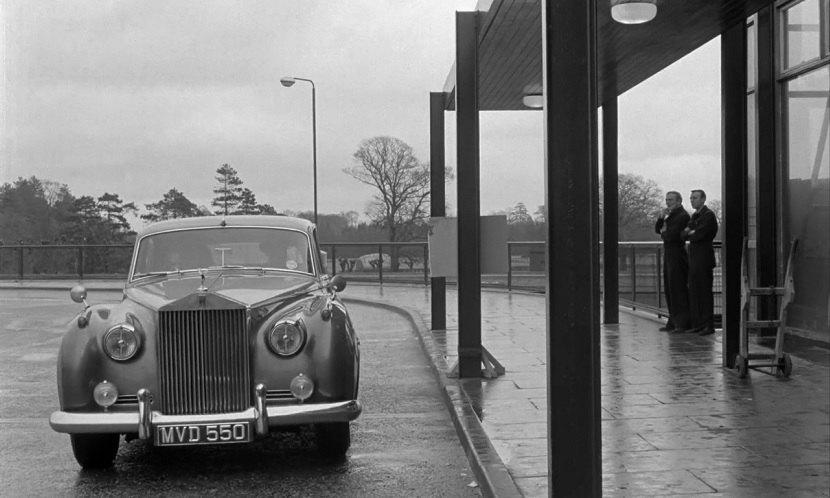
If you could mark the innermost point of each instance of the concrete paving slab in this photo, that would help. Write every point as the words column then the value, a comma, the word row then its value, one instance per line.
column 675, row 423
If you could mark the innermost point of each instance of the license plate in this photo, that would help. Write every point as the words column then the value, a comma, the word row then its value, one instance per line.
column 187, row 434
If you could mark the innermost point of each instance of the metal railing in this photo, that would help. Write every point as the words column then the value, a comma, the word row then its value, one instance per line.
column 640, row 266
column 70, row 261
column 640, row 274
column 401, row 262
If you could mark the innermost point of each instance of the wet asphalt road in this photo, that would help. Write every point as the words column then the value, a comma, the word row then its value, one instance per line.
column 403, row 444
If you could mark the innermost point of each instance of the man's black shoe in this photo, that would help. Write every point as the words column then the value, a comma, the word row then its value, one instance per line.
column 666, row 329
column 706, row 331
column 695, row 329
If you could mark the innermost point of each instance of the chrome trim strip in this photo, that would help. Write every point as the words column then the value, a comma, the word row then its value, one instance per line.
column 122, row 423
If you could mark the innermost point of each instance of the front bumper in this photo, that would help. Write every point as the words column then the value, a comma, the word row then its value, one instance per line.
column 263, row 417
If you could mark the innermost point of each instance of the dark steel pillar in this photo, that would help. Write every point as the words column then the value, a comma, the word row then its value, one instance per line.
column 766, row 226
column 469, row 261
column 437, row 199
column 610, row 206
column 734, row 177
column 572, row 252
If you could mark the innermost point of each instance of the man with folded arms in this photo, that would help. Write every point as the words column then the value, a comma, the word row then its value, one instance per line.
column 670, row 225
column 703, row 226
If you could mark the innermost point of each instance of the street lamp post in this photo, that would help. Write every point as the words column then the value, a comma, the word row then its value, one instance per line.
column 287, row 82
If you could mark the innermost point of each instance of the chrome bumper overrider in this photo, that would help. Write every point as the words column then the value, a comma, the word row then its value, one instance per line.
column 262, row 416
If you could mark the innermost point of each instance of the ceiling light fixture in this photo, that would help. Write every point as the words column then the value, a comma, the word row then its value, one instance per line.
column 534, row 100
column 633, row 11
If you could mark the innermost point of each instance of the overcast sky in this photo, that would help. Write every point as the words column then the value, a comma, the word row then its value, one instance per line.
column 136, row 97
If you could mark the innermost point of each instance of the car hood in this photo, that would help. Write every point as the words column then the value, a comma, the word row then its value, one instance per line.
column 248, row 290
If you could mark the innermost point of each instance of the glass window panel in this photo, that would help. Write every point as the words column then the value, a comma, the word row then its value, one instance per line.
column 751, row 55
column 802, row 33
column 752, row 192
column 808, row 195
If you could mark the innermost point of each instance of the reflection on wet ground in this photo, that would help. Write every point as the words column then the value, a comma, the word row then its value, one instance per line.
column 674, row 422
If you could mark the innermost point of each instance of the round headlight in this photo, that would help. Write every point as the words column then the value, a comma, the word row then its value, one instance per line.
column 105, row 394
column 287, row 337
column 121, row 342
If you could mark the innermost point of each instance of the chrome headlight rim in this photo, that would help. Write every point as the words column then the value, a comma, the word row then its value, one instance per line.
column 296, row 328
column 117, row 334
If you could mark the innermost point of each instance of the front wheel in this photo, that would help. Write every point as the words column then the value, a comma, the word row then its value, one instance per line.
column 785, row 366
column 333, row 439
column 95, row 451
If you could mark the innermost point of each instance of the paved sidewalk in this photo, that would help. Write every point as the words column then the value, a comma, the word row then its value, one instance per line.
column 674, row 422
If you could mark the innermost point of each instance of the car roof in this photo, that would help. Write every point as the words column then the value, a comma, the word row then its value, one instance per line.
column 228, row 221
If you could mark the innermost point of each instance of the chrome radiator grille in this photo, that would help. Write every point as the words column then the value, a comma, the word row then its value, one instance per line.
column 203, row 361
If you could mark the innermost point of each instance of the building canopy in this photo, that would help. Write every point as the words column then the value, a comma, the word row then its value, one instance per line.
column 510, row 46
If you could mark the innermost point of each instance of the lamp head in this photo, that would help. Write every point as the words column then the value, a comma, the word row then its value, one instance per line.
column 287, row 81
column 534, row 100
column 633, row 11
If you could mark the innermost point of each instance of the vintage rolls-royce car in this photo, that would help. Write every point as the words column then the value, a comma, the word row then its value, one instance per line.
column 228, row 329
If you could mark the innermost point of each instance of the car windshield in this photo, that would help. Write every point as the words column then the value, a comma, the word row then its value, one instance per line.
column 235, row 247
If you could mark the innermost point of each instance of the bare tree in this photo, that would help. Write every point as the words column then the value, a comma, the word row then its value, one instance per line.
column 53, row 191
column 353, row 217
column 401, row 204
column 402, row 200
column 638, row 201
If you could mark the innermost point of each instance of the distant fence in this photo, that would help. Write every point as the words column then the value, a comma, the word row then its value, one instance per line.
column 39, row 262
column 640, row 266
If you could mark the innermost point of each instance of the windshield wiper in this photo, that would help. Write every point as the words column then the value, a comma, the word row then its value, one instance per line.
column 162, row 273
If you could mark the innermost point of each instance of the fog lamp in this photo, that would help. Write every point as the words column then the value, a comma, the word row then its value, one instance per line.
column 105, row 394
column 302, row 387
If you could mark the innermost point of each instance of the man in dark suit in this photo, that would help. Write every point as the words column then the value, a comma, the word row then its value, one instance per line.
column 703, row 226
column 670, row 225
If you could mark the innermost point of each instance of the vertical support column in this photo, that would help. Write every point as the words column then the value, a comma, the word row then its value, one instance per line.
column 469, row 260
column 610, row 204
column 766, row 244
column 734, row 174
column 572, row 252
column 437, row 199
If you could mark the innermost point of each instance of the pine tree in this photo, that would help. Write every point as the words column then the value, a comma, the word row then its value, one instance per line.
column 174, row 204
column 247, row 203
column 112, row 210
column 228, row 191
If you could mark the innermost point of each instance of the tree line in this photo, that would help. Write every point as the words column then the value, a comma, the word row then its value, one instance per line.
column 37, row 211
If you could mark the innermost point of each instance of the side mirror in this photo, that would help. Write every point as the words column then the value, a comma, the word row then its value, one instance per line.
column 78, row 294
column 338, row 283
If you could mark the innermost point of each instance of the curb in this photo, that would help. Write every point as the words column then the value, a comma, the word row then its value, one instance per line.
column 493, row 478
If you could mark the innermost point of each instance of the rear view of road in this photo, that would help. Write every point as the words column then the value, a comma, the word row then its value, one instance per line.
column 404, row 443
